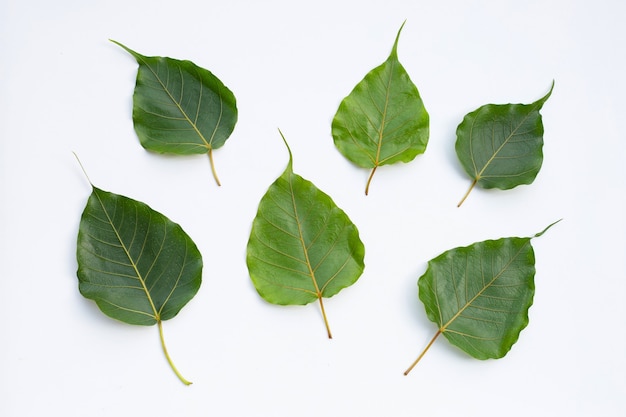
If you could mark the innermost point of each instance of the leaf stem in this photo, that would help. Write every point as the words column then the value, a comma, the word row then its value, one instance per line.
column 330, row 336
column 423, row 352
column 369, row 180
column 167, row 356
column 217, row 180
column 467, row 193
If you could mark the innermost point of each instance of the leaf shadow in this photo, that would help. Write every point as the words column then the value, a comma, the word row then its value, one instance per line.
column 417, row 311
column 450, row 151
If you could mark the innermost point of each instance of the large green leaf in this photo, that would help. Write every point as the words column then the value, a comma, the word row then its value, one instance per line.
column 302, row 247
column 383, row 120
column 479, row 295
column 137, row 265
column 181, row 108
column 500, row 145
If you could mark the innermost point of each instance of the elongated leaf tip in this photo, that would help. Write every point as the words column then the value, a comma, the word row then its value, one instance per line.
column 290, row 165
column 545, row 98
column 546, row 229
column 82, row 168
column 126, row 48
column 117, row 43
column 394, row 50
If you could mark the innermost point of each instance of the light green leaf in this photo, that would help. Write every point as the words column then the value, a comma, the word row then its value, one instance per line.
column 136, row 264
column 181, row 108
column 383, row 120
column 302, row 247
column 500, row 145
column 479, row 295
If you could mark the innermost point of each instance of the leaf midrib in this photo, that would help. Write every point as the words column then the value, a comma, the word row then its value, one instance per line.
column 130, row 259
column 479, row 294
column 301, row 238
column 384, row 114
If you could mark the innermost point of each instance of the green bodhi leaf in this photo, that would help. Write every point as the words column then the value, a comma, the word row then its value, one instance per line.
column 137, row 265
column 181, row 108
column 383, row 120
column 500, row 145
column 302, row 247
column 479, row 295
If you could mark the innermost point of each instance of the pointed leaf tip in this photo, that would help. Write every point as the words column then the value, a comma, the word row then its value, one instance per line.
column 394, row 50
column 83, row 169
column 126, row 48
column 545, row 98
column 290, row 164
column 546, row 229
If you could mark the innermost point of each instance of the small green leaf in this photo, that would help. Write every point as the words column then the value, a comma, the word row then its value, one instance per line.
column 137, row 265
column 302, row 247
column 181, row 108
column 479, row 295
column 383, row 120
column 500, row 145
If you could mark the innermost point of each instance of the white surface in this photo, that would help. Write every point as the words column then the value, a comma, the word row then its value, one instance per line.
column 64, row 87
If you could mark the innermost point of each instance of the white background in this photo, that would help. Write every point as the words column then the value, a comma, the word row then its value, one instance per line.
column 64, row 87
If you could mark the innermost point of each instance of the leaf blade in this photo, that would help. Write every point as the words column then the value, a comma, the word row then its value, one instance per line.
column 302, row 246
column 383, row 120
column 500, row 145
column 477, row 324
column 124, row 244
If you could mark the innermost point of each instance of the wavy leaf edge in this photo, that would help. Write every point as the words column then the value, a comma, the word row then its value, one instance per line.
column 535, row 106
column 442, row 328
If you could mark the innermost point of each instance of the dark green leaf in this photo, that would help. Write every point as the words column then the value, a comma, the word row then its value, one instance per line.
column 383, row 120
column 302, row 247
column 181, row 108
column 479, row 295
column 137, row 265
column 500, row 145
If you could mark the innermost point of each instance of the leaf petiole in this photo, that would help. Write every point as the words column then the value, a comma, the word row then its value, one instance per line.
column 330, row 336
column 167, row 356
column 217, row 180
column 467, row 193
column 369, row 180
column 423, row 352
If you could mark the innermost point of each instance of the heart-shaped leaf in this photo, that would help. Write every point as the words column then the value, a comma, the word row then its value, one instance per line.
column 181, row 108
column 302, row 247
column 383, row 120
column 500, row 145
column 479, row 295
column 136, row 264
